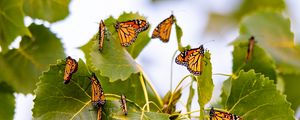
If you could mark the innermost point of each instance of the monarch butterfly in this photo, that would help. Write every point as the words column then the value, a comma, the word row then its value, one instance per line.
column 123, row 104
column 71, row 67
column 163, row 29
column 101, row 34
column 250, row 48
column 221, row 115
column 129, row 30
column 98, row 98
column 192, row 59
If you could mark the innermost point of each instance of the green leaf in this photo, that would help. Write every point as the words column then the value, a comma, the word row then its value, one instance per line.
column 7, row 103
column 291, row 86
column 190, row 99
column 113, row 58
column 55, row 100
column 148, row 116
column 178, row 36
column 170, row 100
column 260, row 60
column 49, row 10
column 130, row 87
column 254, row 96
column 12, row 22
column 272, row 32
column 250, row 6
column 143, row 38
column 225, row 23
column 226, row 89
column 112, row 109
column 205, row 84
column 25, row 64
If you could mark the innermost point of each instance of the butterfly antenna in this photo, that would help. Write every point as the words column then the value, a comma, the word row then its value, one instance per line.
column 208, row 42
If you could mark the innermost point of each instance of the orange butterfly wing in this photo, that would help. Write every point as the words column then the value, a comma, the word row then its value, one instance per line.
column 192, row 59
column 195, row 64
column 181, row 59
column 220, row 115
column 129, row 30
column 163, row 29
column 98, row 98
column 70, row 68
column 101, row 34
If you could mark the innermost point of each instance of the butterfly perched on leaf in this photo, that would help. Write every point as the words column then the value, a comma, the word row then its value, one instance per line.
column 70, row 68
column 98, row 98
column 221, row 115
column 250, row 48
column 192, row 59
column 123, row 104
column 129, row 30
column 163, row 29
column 101, row 34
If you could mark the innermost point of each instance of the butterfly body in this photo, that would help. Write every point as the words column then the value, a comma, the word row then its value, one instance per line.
column 123, row 104
column 98, row 98
column 99, row 113
column 101, row 34
column 163, row 29
column 250, row 48
column 129, row 30
column 221, row 115
column 192, row 59
column 70, row 68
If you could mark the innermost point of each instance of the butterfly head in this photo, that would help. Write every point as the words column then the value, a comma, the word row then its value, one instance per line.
column 117, row 26
column 212, row 111
column 173, row 18
column 201, row 49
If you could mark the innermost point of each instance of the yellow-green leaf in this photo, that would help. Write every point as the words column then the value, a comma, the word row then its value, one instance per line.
column 7, row 103
column 254, row 96
column 11, row 22
column 272, row 32
column 21, row 67
column 259, row 59
column 49, row 10
column 205, row 84
column 113, row 57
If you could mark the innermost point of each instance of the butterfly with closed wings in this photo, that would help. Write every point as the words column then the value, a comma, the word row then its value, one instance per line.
column 163, row 29
column 98, row 98
column 71, row 67
column 101, row 34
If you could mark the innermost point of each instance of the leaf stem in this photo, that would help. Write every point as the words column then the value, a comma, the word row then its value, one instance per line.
column 171, row 77
column 187, row 113
column 171, row 98
column 151, row 87
column 190, row 75
column 145, row 91
column 153, row 104
column 222, row 74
